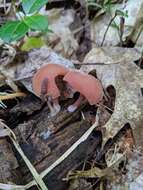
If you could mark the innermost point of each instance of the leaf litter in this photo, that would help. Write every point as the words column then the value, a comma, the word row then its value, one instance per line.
column 127, row 79
column 120, row 71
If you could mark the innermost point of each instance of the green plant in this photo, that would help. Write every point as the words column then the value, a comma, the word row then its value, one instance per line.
column 29, row 20
column 120, row 27
column 106, row 6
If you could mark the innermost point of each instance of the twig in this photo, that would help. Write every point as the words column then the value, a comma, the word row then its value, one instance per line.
column 140, row 60
column 11, row 187
column 135, row 41
column 11, row 96
column 95, row 63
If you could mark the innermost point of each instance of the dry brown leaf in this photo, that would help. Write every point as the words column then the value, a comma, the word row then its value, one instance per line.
column 7, row 54
column 60, row 21
column 127, row 80
column 133, row 178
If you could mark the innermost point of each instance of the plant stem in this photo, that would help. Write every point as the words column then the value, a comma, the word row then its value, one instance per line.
column 108, row 28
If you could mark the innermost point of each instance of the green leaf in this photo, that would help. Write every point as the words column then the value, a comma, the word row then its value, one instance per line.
column 37, row 22
column 13, row 30
column 107, row 2
column 30, row 6
column 94, row 5
column 122, row 13
column 32, row 42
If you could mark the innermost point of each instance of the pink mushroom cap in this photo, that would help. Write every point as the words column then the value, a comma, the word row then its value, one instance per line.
column 49, row 72
column 86, row 84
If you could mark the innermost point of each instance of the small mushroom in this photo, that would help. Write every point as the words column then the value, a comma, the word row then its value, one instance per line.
column 44, row 85
column 88, row 86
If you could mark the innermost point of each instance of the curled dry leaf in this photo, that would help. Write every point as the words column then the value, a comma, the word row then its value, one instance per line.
column 62, row 38
column 127, row 79
column 133, row 178
column 7, row 55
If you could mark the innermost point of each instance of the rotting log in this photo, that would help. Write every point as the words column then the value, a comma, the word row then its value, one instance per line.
column 67, row 129
column 8, row 163
column 59, row 144
column 83, row 152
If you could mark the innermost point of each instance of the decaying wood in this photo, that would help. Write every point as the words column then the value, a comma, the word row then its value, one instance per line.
column 82, row 152
column 42, row 150
column 8, row 163
column 33, row 137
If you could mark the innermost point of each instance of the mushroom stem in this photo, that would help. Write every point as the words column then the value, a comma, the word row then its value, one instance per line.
column 69, row 91
column 53, row 106
column 52, row 110
column 56, row 105
column 76, row 104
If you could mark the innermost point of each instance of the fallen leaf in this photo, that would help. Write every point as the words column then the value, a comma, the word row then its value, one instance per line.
column 127, row 79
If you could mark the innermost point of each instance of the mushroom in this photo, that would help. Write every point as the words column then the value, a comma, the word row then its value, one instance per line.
column 45, row 87
column 88, row 86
